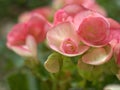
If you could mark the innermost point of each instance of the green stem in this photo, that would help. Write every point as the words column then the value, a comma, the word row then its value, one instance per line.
column 32, row 64
column 54, row 81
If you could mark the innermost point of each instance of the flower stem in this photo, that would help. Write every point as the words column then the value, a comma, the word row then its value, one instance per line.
column 54, row 81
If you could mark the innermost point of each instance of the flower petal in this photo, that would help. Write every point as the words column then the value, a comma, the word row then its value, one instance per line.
column 81, row 49
column 60, row 16
column 29, row 49
column 59, row 33
column 94, row 31
column 73, row 9
column 113, row 24
column 32, row 45
column 37, row 26
column 97, row 56
column 20, row 50
column 18, row 34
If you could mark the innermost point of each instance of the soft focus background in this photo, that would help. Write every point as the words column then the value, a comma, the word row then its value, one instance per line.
column 11, row 62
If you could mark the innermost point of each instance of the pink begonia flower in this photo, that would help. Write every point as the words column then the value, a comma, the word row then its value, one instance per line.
column 24, row 37
column 94, row 29
column 18, row 40
column 64, row 39
column 44, row 11
column 97, row 56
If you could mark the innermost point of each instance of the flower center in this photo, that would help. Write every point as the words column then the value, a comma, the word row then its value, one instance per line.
column 69, row 46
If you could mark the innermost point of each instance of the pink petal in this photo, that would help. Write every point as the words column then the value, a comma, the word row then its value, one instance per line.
column 97, row 56
column 97, row 8
column 27, row 50
column 73, row 9
column 81, row 49
column 79, row 17
column 69, row 46
column 18, row 34
column 37, row 26
column 94, row 31
column 84, row 14
column 113, row 24
column 60, row 16
column 114, row 31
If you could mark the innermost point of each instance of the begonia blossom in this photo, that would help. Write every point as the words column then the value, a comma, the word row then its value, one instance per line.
column 92, row 28
column 89, row 24
column 64, row 39
column 24, row 37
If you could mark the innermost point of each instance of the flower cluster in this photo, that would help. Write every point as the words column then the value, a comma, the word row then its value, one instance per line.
column 79, row 28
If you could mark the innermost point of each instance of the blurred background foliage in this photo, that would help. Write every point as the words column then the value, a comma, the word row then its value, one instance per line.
column 10, row 62
column 12, row 8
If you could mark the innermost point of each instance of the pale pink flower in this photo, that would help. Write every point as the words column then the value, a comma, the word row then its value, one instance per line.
column 24, row 37
column 92, row 28
column 64, row 39
column 20, row 42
